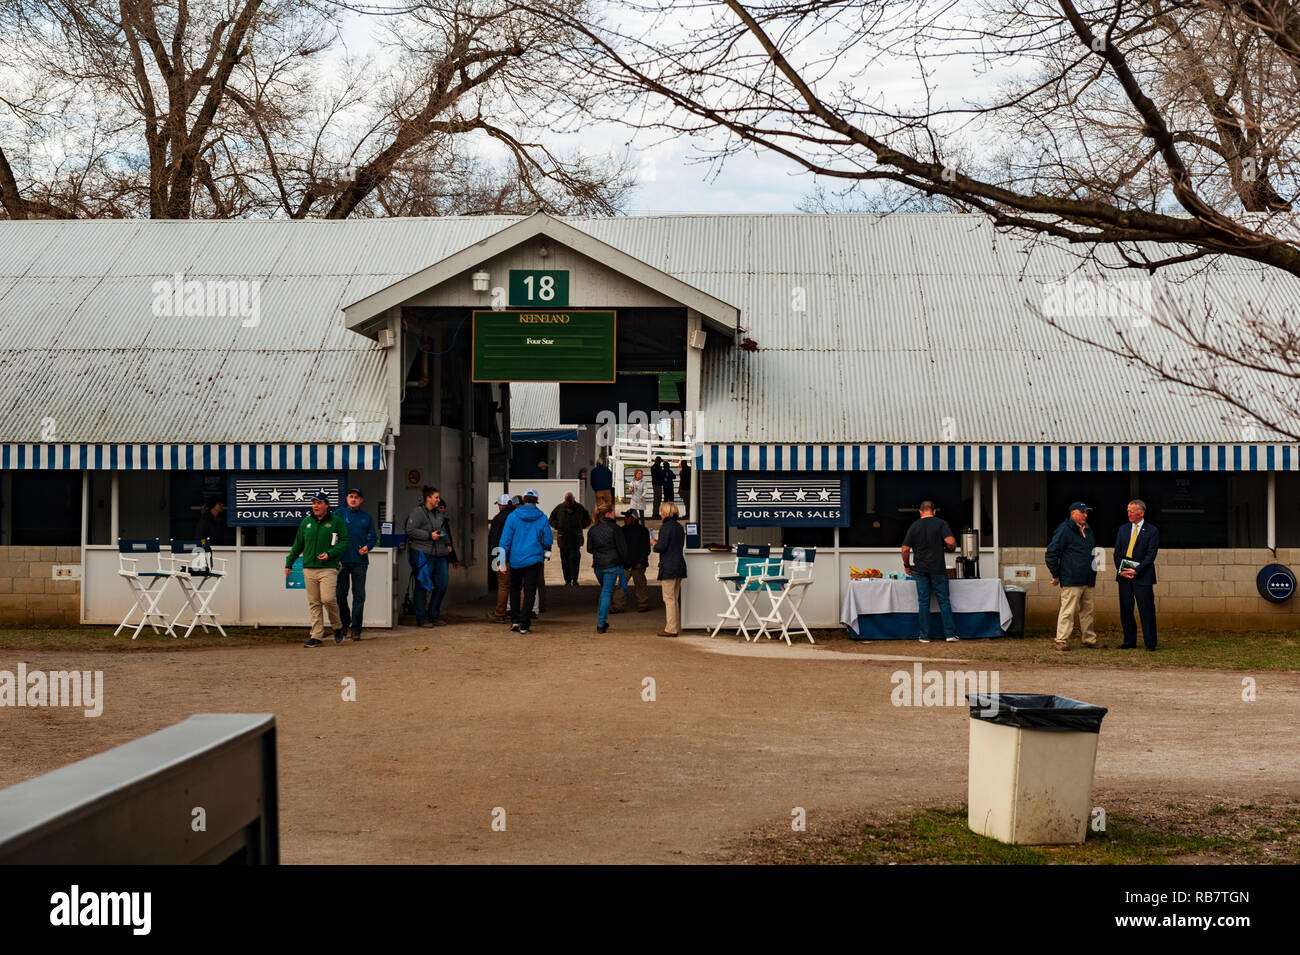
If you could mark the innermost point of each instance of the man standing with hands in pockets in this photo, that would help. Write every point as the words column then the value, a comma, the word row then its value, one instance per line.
column 1070, row 561
column 321, row 539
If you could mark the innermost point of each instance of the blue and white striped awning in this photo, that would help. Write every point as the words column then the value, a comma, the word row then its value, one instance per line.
column 191, row 457
column 552, row 434
column 997, row 457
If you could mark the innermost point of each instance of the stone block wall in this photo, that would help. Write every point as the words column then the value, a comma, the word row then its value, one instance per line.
column 29, row 594
column 1195, row 588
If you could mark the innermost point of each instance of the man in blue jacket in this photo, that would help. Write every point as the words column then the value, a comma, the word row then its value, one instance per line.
column 1136, row 546
column 1071, row 563
column 354, row 564
column 525, row 543
column 602, row 484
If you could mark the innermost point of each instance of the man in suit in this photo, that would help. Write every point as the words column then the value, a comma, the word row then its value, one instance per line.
column 1137, row 543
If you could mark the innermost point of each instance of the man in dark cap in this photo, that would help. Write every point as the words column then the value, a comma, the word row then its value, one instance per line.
column 321, row 540
column 354, row 564
column 1072, row 566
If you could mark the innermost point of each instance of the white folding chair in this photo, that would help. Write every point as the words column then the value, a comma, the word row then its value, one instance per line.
column 193, row 565
column 740, row 585
column 147, row 586
column 786, row 591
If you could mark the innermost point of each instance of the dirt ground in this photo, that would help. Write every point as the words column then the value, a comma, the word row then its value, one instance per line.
column 453, row 723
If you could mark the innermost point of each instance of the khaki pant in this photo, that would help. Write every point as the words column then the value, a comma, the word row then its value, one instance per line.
column 672, row 588
column 322, row 588
column 636, row 578
column 1075, row 600
column 503, row 593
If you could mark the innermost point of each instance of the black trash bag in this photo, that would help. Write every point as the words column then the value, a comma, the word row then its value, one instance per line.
column 1040, row 711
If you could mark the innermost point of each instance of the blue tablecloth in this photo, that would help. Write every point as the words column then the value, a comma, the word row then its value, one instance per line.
column 887, row 609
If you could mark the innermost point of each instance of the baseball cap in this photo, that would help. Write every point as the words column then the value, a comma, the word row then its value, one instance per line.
column 516, row 500
column 531, row 493
column 321, row 496
column 632, row 512
column 356, row 491
column 503, row 500
column 1080, row 506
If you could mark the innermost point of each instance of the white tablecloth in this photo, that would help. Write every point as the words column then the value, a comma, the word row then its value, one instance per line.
column 980, row 595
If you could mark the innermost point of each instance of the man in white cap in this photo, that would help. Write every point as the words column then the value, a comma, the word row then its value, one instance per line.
column 526, row 542
column 498, row 568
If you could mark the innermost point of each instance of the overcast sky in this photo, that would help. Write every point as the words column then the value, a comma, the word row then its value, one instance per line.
column 675, row 175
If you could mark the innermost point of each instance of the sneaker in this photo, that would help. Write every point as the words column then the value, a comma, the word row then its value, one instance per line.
column 953, row 639
column 313, row 642
column 338, row 635
column 602, row 628
column 514, row 628
column 356, row 636
column 524, row 630
column 923, row 640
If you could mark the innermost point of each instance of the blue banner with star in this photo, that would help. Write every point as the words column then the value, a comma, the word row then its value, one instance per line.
column 276, row 499
column 761, row 500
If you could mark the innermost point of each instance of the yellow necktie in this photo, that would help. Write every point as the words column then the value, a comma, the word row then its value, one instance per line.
column 1131, row 541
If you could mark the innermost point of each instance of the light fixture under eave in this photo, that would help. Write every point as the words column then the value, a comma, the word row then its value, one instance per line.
column 482, row 281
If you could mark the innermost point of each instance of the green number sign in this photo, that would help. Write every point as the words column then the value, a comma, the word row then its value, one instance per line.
column 544, row 345
column 536, row 288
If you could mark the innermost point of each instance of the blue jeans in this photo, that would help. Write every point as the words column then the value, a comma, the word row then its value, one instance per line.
column 428, row 603
column 925, row 583
column 608, row 578
column 356, row 575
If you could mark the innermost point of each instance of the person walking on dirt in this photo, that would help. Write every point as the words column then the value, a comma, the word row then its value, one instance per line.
column 354, row 564
column 1070, row 561
column 321, row 540
column 497, row 566
column 636, row 541
column 526, row 542
column 428, row 546
column 608, row 551
column 569, row 518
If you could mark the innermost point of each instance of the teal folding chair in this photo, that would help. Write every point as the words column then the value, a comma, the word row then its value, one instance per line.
column 741, row 584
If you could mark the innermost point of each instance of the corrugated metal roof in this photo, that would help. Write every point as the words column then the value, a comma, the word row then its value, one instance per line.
column 534, row 406
column 871, row 329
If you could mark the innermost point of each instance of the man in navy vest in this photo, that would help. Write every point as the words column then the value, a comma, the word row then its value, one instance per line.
column 1136, row 545
column 354, row 564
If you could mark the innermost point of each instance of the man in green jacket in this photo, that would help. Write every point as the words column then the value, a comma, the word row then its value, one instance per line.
column 322, row 538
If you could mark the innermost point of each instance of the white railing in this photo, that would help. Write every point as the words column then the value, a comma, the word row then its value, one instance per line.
column 632, row 453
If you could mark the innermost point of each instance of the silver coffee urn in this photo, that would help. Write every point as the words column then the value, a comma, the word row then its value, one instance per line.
column 968, row 559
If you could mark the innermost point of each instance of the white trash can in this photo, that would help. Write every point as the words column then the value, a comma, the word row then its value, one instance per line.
column 1031, row 763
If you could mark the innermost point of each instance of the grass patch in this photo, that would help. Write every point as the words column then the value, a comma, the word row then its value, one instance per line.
column 1209, row 649
column 939, row 836
column 102, row 639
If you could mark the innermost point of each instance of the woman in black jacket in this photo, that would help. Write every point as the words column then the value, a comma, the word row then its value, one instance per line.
column 672, row 565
